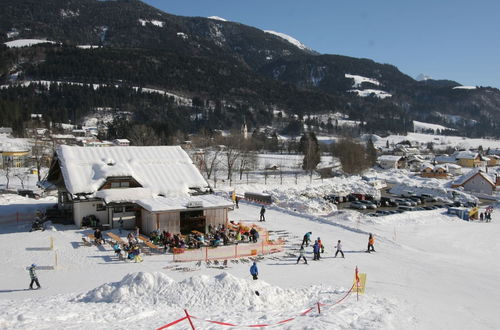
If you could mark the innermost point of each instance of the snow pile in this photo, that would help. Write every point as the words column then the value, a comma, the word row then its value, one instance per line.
column 465, row 87
column 311, row 200
column 286, row 37
column 27, row 42
column 220, row 290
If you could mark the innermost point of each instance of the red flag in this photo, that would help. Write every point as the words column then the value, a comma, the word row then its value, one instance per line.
column 357, row 276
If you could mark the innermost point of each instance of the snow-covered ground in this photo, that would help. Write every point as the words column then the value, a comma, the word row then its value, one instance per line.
column 27, row 42
column 430, row 271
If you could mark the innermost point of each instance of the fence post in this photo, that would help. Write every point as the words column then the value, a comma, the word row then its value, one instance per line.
column 319, row 308
column 236, row 250
column 206, row 254
column 262, row 246
column 189, row 319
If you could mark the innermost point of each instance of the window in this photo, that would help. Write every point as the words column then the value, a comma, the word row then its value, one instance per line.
column 100, row 207
column 129, row 208
column 117, row 209
column 120, row 184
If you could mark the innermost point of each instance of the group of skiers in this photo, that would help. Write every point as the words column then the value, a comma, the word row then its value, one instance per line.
column 318, row 248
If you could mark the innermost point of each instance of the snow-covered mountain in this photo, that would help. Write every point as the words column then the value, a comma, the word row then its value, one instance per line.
column 288, row 38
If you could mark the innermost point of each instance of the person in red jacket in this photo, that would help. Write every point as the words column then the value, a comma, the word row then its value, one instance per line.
column 371, row 242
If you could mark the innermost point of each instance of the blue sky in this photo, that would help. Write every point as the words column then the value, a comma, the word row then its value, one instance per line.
column 445, row 39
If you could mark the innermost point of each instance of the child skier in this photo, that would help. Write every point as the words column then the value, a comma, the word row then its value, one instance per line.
column 301, row 254
column 371, row 242
column 254, row 271
column 321, row 245
column 316, row 250
column 34, row 278
column 339, row 249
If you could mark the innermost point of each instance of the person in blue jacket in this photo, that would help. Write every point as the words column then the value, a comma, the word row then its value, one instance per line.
column 254, row 271
column 316, row 249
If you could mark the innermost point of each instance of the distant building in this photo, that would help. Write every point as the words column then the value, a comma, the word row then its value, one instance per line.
column 468, row 159
column 121, row 142
column 390, row 161
column 476, row 180
column 13, row 157
column 434, row 171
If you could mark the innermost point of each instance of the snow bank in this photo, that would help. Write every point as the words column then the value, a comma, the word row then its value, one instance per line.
column 27, row 42
column 220, row 290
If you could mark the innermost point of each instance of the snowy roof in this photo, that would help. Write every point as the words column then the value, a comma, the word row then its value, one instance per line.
column 469, row 175
column 389, row 158
column 445, row 159
column 159, row 204
column 165, row 170
column 124, row 195
column 466, row 155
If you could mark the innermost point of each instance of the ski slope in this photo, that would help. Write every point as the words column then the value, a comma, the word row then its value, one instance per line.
column 430, row 271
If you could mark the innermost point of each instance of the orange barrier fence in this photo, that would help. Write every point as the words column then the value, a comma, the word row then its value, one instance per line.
column 317, row 306
column 17, row 217
column 228, row 251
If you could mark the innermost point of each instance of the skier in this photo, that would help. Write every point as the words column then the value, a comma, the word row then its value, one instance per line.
column 262, row 211
column 254, row 235
column 254, row 271
column 98, row 236
column 120, row 222
column 307, row 238
column 137, row 254
column 371, row 241
column 34, row 278
column 301, row 255
column 321, row 245
column 339, row 249
column 118, row 250
column 316, row 250
column 236, row 200
column 481, row 216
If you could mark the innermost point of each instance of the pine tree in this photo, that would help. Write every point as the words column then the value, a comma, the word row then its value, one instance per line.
column 310, row 147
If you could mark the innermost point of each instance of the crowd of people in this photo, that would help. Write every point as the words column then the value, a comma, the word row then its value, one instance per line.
column 216, row 236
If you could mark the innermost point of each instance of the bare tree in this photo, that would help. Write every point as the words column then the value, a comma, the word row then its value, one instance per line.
column 142, row 135
column 210, row 161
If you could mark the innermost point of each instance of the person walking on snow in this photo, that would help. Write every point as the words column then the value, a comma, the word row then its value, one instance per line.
column 254, row 271
column 301, row 254
column 339, row 249
column 307, row 238
column 262, row 212
column 34, row 278
column 316, row 250
column 371, row 242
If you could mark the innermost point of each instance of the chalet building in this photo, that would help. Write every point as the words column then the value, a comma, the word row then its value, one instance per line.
column 390, row 161
column 121, row 142
column 154, row 188
column 434, row 171
column 476, row 180
column 468, row 159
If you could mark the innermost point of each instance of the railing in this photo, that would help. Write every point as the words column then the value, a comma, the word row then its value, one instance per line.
column 17, row 218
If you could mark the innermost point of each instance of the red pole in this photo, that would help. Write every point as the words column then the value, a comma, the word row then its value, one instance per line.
column 319, row 308
column 189, row 319
column 357, row 284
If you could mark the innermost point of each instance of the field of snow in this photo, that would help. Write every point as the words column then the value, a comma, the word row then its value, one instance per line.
column 358, row 80
column 440, row 141
column 288, row 38
column 430, row 271
column 419, row 126
column 27, row 42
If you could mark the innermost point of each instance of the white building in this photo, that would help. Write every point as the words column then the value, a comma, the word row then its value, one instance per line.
column 390, row 161
column 155, row 188
column 477, row 181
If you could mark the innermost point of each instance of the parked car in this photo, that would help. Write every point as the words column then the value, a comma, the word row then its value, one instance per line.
column 408, row 194
column 406, row 208
column 352, row 198
column 368, row 204
column 28, row 193
column 403, row 202
column 428, row 198
column 412, row 202
column 381, row 212
column 335, row 198
column 360, row 197
column 387, row 201
column 416, row 200
column 357, row 205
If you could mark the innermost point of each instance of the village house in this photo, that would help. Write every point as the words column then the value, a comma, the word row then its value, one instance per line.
column 476, row 180
column 390, row 161
column 154, row 188
column 434, row 171
column 121, row 142
column 468, row 159
column 13, row 156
